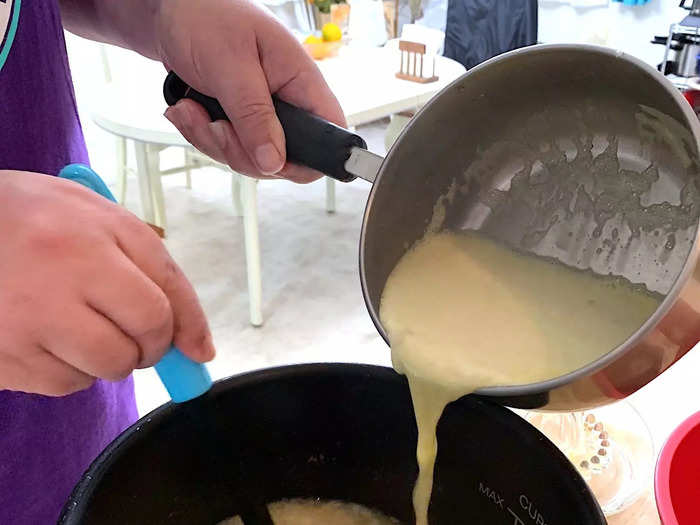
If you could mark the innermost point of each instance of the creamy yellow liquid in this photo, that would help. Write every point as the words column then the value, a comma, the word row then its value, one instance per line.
column 463, row 312
column 312, row 512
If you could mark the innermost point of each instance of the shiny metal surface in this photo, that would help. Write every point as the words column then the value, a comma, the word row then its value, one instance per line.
column 687, row 59
column 575, row 153
column 363, row 164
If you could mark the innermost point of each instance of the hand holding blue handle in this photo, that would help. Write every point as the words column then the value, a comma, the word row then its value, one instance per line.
column 183, row 378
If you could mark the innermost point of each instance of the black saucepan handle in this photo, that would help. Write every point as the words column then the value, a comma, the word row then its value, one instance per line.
column 311, row 140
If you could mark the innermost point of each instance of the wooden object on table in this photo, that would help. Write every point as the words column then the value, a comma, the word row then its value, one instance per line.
column 413, row 55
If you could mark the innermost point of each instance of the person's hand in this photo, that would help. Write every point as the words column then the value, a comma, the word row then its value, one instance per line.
column 86, row 290
column 239, row 53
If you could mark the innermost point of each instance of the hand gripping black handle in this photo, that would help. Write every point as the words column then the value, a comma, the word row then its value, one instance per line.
column 311, row 141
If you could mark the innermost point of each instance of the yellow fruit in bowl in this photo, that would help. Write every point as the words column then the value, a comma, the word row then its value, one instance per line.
column 312, row 39
column 331, row 33
column 320, row 48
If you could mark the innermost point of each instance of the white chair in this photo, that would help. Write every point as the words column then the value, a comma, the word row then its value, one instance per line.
column 131, row 109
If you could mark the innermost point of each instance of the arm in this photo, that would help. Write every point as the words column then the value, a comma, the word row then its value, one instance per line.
column 124, row 23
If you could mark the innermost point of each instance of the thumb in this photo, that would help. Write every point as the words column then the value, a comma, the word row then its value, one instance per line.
column 245, row 96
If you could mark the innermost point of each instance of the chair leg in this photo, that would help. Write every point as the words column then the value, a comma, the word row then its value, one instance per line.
column 330, row 195
column 252, row 248
column 121, row 169
column 236, row 193
column 153, row 153
column 393, row 130
column 188, row 172
column 144, row 180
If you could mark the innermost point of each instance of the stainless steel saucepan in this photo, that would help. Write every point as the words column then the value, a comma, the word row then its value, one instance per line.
column 571, row 152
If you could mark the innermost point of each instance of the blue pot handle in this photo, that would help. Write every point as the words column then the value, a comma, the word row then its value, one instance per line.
column 183, row 378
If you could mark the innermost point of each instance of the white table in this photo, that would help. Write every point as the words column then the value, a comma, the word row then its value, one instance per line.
column 363, row 79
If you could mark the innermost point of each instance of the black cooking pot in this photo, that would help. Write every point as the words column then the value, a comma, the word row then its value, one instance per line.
column 330, row 431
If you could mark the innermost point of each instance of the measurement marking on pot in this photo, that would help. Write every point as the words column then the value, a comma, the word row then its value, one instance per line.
column 525, row 504
column 532, row 511
column 517, row 521
column 491, row 494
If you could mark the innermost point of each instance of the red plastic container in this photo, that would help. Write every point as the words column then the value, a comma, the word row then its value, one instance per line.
column 677, row 478
column 693, row 98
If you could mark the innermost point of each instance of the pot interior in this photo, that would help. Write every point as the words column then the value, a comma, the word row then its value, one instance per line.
column 329, row 431
column 577, row 154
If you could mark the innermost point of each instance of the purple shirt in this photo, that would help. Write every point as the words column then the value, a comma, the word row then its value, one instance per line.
column 45, row 443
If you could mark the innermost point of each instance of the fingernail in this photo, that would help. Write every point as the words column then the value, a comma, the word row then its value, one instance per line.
column 170, row 115
column 218, row 129
column 209, row 350
column 179, row 115
column 268, row 159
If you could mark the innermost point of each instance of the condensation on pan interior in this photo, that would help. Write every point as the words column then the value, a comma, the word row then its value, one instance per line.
column 591, row 201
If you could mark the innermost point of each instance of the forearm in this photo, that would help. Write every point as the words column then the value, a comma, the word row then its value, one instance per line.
column 125, row 23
